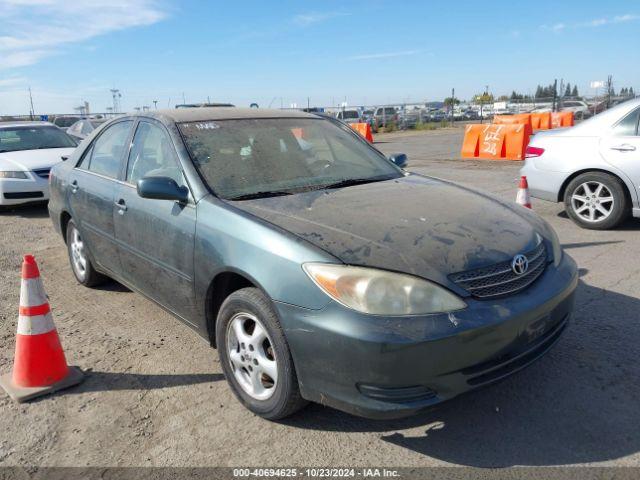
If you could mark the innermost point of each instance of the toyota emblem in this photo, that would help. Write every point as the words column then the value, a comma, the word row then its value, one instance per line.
column 520, row 264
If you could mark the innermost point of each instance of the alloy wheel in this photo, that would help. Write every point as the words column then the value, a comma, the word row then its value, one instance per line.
column 78, row 255
column 252, row 356
column 592, row 201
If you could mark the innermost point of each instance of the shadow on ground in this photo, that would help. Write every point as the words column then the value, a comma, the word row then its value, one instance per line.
column 32, row 210
column 578, row 404
column 111, row 381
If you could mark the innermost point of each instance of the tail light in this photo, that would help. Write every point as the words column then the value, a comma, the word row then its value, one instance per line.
column 532, row 152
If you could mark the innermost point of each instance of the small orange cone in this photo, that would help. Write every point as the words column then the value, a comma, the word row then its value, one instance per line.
column 522, row 198
column 39, row 365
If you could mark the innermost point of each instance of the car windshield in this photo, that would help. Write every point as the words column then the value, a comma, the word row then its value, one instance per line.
column 13, row 139
column 251, row 158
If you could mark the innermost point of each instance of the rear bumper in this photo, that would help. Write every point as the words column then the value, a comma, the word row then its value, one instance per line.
column 389, row 367
column 19, row 191
column 543, row 184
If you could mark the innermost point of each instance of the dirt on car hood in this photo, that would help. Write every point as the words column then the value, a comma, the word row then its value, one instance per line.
column 414, row 224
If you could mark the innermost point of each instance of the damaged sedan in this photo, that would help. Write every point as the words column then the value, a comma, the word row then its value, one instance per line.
column 319, row 269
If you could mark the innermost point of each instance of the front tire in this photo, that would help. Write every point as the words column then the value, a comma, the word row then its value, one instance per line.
column 596, row 201
column 81, row 265
column 255, row 356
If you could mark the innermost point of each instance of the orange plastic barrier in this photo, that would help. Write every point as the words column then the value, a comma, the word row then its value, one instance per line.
column 470, row 144
column 541, row 121
column 562, row 119
column 496, row 141
column 364, row 129
column 518, row 118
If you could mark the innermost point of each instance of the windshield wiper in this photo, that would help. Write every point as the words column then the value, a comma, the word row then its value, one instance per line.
column 353, row 181
column 249, row 196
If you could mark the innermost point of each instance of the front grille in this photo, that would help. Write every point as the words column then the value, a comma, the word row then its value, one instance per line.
column 500, row 279
column 42, row 172
column 22, row 195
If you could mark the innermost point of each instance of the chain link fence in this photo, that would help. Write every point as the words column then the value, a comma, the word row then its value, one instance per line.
column 418, row 115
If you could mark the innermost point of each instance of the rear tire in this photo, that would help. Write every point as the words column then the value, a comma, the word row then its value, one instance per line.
column 253, row 349
column 81, row 265
column 596, row 201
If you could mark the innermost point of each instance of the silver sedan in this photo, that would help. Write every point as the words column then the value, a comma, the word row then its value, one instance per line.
column 594, row 167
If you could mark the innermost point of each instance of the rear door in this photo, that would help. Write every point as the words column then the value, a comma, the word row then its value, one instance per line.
column 622, row 147
column 156, row 237
column 91, row 193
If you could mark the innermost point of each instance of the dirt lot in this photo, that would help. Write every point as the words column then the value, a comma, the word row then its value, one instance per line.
column 155, row 394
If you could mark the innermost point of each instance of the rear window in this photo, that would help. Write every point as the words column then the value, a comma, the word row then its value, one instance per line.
column 349, row 114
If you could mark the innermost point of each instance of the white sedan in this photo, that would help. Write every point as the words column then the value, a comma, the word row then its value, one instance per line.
column 28, row 150
column 594, row 167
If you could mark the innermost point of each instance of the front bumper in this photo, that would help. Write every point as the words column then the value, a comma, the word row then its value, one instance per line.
column 19, row 191
column 389, row 367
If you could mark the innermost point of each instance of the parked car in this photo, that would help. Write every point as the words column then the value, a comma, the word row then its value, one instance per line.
column 384, row 115
column 82, row 128
column 594, row 167
column 28, row 150
column 65, row 121
column 349, row 116
column 409, row 118
column 263, row 230
column 578, row 107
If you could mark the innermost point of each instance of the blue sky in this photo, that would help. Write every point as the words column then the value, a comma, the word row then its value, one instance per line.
column 373, row 51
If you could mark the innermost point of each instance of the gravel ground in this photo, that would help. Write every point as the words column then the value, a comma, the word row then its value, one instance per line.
column 155, row 395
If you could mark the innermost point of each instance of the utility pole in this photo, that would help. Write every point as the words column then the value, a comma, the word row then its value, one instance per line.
column 183, row 100
column 155, row 104
column 115, row 93
column 453, row 101
column 31, row 112
column 555, row 95
column 308, row 103
column 609, row 90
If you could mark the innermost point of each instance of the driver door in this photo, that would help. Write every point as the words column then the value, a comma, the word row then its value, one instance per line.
column 622, row 148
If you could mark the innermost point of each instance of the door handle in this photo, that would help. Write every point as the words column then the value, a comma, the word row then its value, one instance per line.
column 122, row 206
column 74, row 186
column 625, row 147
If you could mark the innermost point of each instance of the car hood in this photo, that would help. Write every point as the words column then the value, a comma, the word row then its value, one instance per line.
column 32, row 159
column 415, row 224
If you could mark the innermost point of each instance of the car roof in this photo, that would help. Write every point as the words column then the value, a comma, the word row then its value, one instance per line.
column 200, row 114
column 13, row 124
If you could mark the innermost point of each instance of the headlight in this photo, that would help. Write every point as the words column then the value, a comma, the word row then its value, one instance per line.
column 20, row 175
column 378, row 292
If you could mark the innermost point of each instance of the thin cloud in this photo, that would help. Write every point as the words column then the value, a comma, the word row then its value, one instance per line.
column 595, row 23
column 35, row 29
column 307, row 19
column 373, row 56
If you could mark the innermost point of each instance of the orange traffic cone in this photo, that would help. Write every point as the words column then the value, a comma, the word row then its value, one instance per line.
column 522, row 198
column 39, row 365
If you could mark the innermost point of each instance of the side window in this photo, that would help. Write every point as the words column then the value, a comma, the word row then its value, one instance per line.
column 152, row 155
column 106, row 155
column 628, row 126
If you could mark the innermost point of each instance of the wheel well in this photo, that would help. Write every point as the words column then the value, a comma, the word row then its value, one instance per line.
column 64, row 221
column 589, row 170
column 223, row 285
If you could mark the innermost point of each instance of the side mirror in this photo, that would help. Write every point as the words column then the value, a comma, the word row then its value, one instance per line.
column 400, row 159
column 162, row 188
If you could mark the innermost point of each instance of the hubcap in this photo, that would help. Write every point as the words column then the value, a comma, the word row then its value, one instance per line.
column 78, row 256
column 252, row 356
column 592, row 201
